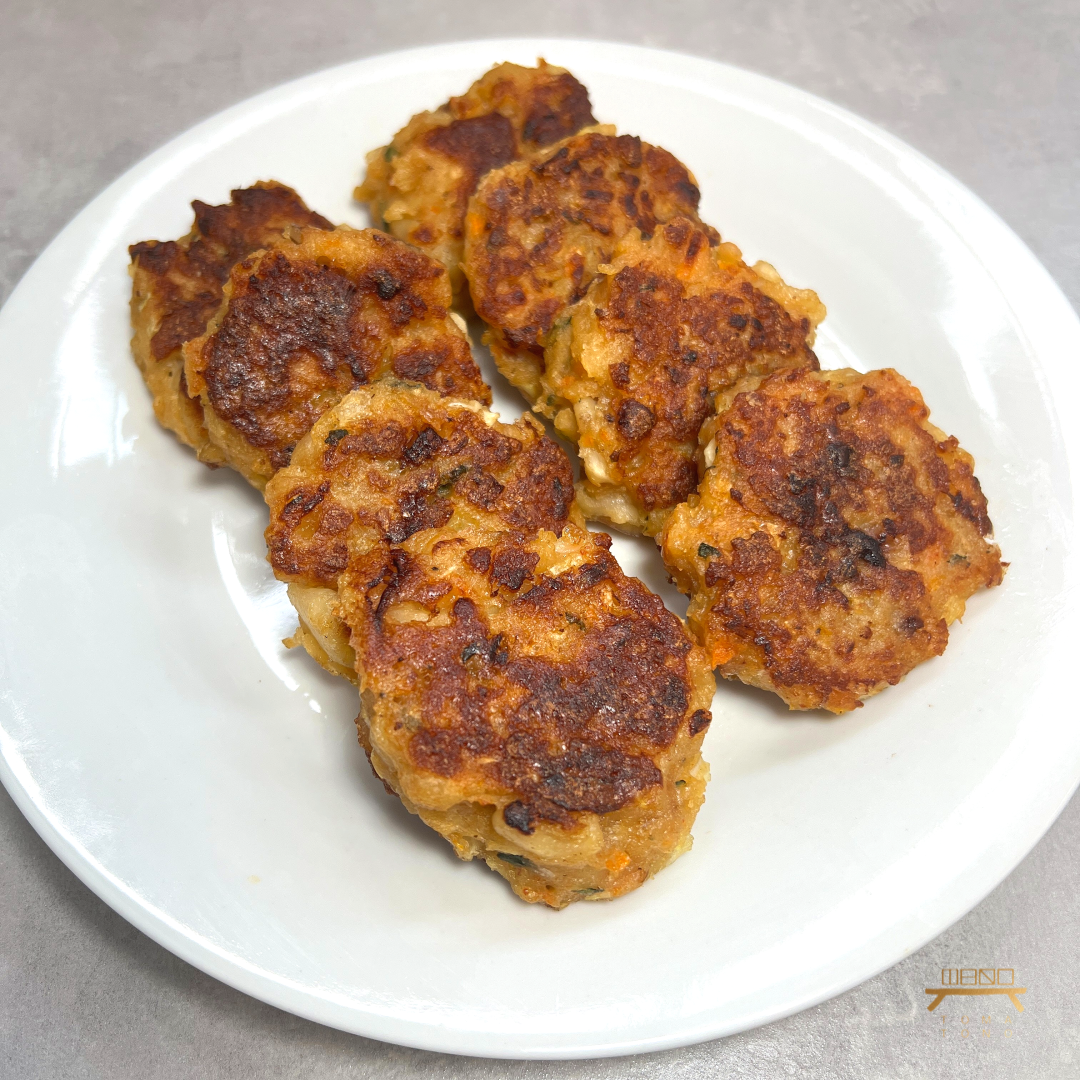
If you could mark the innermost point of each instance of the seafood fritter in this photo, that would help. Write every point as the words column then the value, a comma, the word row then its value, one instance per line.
column 532, row 704
column 419, row 185
column 177, row 287
column 312, row 317
column 631, row 374
column 836, row 535
column 538, row 230
column 389, row 461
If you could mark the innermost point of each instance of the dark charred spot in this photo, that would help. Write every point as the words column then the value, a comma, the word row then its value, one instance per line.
column 557, row 109
column 479, row 559
column 416, row 365
column 511, row 565
column 425, row 445
column 496, row 653
column 865, row 547
column 417, row 510
column 481, row 489
column 635, row 420
column 700, row 720
column 479, row 144
column 386, row 285
column 620, row 374
column 518, row 816
column 910, row 624
column 188, row 279
column 303, row 502
column 840, row 455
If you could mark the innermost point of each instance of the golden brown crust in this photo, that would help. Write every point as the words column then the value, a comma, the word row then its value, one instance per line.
column 537, row 230
column 836, row 535
column 311, row 318
column 536, row 707
column 177, row 287
column 631, row 373
column 557, row 728
column 419, row 185
column 550, row 725
column 392, row 460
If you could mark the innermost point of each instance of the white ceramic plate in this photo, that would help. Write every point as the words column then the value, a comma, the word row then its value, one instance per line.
column 209, row 786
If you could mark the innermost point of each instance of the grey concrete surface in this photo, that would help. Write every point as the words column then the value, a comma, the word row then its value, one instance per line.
column 988, row 89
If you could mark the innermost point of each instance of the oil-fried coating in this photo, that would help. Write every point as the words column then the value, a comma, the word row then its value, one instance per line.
column 177, row 287
column 389, row 461
column 314, row 316
column 631, row 373
column 538, row 230
column 531, row 703
column 419, row 185
column 836, row 535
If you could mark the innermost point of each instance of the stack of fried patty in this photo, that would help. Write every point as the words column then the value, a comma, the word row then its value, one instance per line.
column 531, row 703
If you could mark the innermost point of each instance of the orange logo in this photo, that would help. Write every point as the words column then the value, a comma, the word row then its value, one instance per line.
column 969, row 982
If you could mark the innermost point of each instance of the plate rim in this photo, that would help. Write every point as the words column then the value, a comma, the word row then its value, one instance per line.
column 1025, row 273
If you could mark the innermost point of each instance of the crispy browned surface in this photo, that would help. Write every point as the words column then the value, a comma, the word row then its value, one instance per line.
column 392, row 460
column 836, row 536
column 532, row 704
column 177, row 287
column 632, row 373
column 537, row 230
column 310, row 319
column 419, row 185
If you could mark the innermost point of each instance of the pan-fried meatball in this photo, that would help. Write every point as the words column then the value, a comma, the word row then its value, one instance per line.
column 538, row 230
column 177, row 287
column 631, row 371
column 836, row 535
column 532, row 704
column 314, row 316
column 419, row 185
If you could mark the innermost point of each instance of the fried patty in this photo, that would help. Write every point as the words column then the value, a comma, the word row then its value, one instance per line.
column 631, row 374
column 177, row 287
column 418, row 187
column 836, row 535
column 538, row 230
column 531, row 703
column 315, row 315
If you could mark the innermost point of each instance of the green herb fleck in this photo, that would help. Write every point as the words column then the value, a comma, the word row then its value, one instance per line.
column 335, row 436
column 451, row 478
column 390, row 152
column 958, row 558
column 588, row 892
column 680, row 783
column 517, row 860
column 574, row 620
column 706, row 551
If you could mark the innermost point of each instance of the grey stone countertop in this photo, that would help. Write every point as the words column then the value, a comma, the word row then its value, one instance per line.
column 989, row 89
